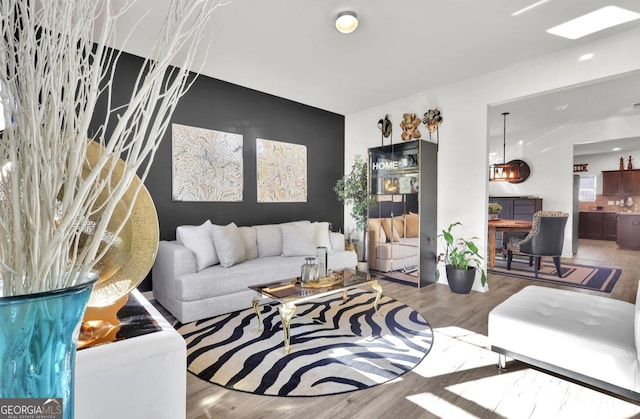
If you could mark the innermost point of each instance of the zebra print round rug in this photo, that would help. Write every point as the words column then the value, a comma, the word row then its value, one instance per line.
column 336, row 347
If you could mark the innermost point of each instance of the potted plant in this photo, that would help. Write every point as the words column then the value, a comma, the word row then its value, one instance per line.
column 494, row 210
column 461, row 259
column 352, row 189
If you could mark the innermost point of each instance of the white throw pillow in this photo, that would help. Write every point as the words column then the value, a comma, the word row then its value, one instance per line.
column 249, row 238
column 322, row 235
column 198, row 239
column 269, row 240
column 299, row 240
column 296, row 222
column 337, row 241
column 229, row 244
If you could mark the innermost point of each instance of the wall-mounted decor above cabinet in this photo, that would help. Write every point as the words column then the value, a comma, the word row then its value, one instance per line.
column 621, row 182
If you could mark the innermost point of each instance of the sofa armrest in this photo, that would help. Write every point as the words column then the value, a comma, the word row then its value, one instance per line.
column 337, row 241
column 172, row 261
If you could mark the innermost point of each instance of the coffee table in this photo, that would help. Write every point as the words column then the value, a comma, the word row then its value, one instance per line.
column 290, row 292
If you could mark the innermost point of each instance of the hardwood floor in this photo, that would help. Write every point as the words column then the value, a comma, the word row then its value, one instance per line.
column 459, row 377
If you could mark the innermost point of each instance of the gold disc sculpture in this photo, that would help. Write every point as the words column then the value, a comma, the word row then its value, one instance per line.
column 126, row 263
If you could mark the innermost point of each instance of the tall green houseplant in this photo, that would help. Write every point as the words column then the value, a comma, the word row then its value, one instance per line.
column 352, row 189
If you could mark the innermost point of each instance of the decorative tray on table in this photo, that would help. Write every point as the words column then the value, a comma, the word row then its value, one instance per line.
column 331, row 280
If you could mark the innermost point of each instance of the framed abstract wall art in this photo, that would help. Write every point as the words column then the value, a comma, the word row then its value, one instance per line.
column 207, row 165
column 281, row 171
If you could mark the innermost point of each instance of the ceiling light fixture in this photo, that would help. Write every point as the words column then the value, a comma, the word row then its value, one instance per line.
column 346, row 22
column 616, row 149
column 529, row 7
column 586, row 57
column 515, row 171
column 593, row 22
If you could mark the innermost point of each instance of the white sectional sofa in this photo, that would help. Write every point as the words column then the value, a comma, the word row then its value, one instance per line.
column 589, row 338
column 393, row 243
column 208, row 269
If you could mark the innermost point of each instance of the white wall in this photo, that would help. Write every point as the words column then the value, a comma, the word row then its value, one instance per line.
column 462, row 160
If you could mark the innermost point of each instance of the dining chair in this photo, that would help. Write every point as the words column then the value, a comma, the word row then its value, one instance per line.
column 545, row 239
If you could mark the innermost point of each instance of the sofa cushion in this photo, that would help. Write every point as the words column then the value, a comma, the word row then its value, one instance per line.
column 229, row 244
column 587, row 334
column 411, row 224
column 397, row 250
column 337, row 241
column 375, row 225
column 199, row 240
column 392, row 233
column 216, row 280
column 398, row 224
column 299, row 240
column 269, row 240
column 250, row 240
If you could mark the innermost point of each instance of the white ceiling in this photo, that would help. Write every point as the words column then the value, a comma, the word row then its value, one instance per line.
column 290, row 48
column 598, row 101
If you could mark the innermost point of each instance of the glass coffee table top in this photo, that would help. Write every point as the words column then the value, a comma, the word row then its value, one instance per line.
column 291, row 292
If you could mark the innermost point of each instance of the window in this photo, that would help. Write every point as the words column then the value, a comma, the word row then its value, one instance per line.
column 587, row 191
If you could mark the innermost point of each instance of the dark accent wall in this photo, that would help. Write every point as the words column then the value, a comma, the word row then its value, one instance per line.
column 218, row 105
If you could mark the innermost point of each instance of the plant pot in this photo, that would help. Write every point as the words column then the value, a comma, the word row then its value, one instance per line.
column 460, row 281
column 38, row 338
column 493, row 216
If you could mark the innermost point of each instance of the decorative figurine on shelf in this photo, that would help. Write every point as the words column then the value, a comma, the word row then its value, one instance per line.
column 409, row 126
column 630, row 164
column 621, row 163
column 385, row 127
column 432, row 119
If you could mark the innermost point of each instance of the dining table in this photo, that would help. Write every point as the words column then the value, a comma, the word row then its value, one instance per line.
column 506, row 227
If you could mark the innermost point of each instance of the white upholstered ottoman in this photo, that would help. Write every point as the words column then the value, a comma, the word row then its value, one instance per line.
column 585, row 337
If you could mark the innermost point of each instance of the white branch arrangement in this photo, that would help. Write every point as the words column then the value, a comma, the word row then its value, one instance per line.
column 52, row 226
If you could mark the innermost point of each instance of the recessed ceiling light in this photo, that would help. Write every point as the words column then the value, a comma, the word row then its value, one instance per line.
column 346, row 22
column 593, row 22
column 586, row 57
column 529, row 7
column 616, row 149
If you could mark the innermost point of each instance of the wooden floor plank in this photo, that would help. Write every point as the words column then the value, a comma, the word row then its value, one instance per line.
column 458, row 378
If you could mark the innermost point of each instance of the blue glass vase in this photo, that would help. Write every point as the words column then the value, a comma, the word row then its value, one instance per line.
column 38, row 339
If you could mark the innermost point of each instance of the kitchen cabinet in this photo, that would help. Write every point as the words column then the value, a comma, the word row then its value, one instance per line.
column 621, row 182
column 629, row 231
column 598, row 225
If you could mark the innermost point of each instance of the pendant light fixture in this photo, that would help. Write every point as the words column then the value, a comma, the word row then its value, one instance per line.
column 515, row 171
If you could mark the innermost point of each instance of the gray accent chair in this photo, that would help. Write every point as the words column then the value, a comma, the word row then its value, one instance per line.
column 545, row 239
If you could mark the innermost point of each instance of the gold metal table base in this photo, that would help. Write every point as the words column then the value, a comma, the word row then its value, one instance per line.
column 288, row 309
